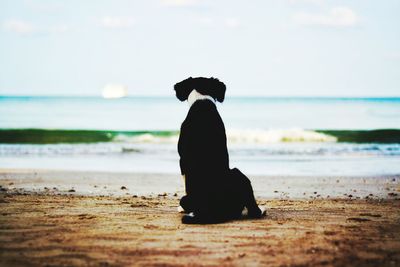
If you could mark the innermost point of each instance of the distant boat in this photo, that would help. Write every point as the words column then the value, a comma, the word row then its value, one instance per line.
column 114, row 91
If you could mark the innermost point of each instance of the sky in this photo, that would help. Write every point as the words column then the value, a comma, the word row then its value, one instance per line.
column 256, row 47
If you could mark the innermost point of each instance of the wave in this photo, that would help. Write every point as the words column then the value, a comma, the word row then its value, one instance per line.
column 387, row 136
column 279, row 151
column 147, row 137
column 277, row 136
column 55, row 136
column 59, row 136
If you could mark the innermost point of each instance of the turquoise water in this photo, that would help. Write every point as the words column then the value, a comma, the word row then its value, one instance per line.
column 166, row 113
column 296, row 136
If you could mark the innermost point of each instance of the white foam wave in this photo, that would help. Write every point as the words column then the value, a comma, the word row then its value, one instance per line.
column 147, row 138
column 241, row 137
column 277, row 136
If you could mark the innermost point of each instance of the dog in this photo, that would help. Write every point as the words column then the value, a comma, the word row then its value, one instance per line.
column 214, row 192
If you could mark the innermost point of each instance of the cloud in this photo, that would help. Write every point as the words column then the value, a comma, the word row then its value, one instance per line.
column 42, row 6
column 18, row 26
column 178, row 3
column 58, row 29
column 337, row 17
column 206, row 20
column 117, row 22
column 229, row 22
column 26, row 28
column 232, row 22
column 313, row 2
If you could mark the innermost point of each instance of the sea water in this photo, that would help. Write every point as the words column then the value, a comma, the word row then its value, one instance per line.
column 266, row 136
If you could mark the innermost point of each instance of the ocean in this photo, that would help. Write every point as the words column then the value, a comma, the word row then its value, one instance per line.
column 266, row 135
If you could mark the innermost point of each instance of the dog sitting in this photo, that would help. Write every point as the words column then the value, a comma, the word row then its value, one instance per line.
column 214, row 192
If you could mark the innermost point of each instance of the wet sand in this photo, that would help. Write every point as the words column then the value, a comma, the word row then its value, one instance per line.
column 47, row 229
column 145, row 184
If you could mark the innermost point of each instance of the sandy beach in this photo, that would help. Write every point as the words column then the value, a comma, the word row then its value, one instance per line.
column 53, row 227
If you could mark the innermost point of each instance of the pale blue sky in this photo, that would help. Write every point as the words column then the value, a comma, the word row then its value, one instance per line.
column 257, row 47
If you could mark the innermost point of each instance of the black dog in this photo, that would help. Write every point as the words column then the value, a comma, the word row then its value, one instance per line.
column 214, row 192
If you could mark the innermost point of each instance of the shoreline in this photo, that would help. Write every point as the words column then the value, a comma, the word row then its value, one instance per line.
column 95, row 183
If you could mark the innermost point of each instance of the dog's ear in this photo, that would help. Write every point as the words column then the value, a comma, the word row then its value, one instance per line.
column 219, row 89
column 183, row 88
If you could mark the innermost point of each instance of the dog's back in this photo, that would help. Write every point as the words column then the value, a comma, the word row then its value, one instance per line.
column 202, row 141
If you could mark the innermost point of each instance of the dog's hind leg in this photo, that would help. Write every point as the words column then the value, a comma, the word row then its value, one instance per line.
column 245, row 191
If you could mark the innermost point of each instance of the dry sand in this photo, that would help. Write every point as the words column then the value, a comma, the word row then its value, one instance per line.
column 71, row 230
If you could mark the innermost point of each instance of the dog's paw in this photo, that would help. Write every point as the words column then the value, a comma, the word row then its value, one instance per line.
column 180, row 209
column 258, row 212
column 263, row 210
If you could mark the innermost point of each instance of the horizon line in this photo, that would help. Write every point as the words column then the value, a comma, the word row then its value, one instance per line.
column 234, row 96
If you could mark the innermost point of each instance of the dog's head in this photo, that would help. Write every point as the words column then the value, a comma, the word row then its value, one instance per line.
column 205, row 86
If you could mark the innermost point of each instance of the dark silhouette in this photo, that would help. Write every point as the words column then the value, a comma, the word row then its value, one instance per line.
column 214, row 192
